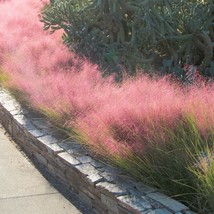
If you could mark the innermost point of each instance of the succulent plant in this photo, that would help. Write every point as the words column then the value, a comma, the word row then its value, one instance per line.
column 136, row 33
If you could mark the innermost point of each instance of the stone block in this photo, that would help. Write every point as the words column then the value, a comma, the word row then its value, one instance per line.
column 4, row 97
column 41, row 123
column 87, row 169
column 10, row 127
column 21, row 119
column 75, row 149
column 168, row 202
column 111, row 188
column 84, row 159
column 99, row 208
column 144, row 188
column 97, row 164
column 9, row 105
column 95, row 178
column 112, row 178
column 160, row 211
column 51, row 168
column 68, row 159
column 73, row 144
column 15, row 128
column 75, row 180
column 188, row 212
column 41, row 159
column 54, row 149
column 39, row 145
column 4, row 119
column 56, row 171
column 20, row 135
column 137, row 203
column 86, row 199
column 47, row 139
column 33, row 146
column 91, row 193
column 59, row 162
column 37, row 133
column 19, row 111
column 123, row 210
column 110, row 170
column 109, row 203
column 24, row 121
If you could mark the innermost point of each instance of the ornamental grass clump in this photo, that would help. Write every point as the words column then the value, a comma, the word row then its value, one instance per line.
column 133, row 111
column 157, row 130
column 181, row 166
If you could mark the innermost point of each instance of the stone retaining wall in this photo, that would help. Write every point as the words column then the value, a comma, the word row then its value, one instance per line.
column 103, row 188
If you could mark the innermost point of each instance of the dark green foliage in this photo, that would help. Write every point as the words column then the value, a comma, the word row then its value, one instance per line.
column 137, row 33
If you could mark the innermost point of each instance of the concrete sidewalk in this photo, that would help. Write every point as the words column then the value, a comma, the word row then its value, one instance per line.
column 23, row 190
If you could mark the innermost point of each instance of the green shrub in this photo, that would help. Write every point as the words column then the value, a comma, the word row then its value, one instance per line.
column 136, row 33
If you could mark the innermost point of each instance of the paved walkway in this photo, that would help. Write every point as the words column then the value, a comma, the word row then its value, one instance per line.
column 23, row 190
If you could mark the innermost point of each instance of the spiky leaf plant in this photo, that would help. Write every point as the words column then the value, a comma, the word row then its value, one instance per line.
column 136, row 33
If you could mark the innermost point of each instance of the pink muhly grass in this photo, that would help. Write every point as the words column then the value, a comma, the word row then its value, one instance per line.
column 200, row 106
column 19, row 22
column 114, row 120
column 133, row 112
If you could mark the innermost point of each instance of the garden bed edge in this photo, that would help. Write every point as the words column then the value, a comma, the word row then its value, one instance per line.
column 105, row 189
